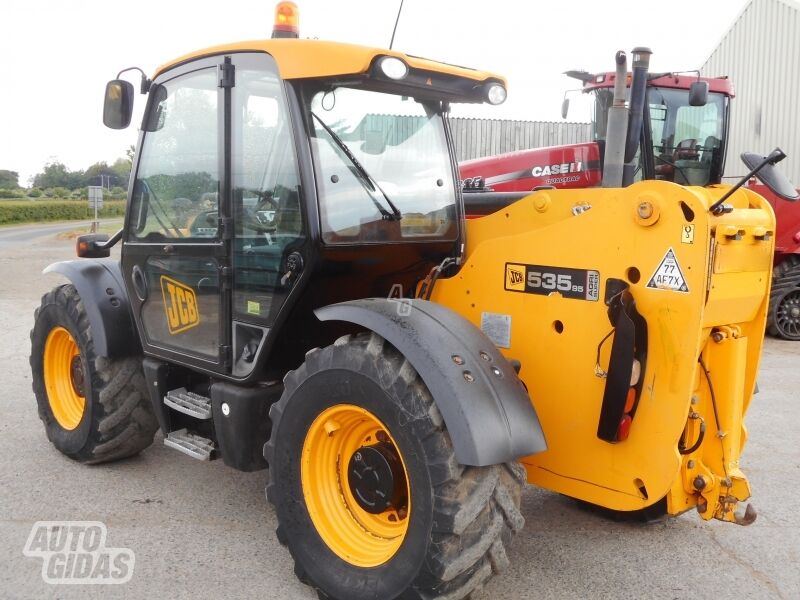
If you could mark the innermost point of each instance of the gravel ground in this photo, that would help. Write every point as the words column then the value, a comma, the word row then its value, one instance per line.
column 205, row 531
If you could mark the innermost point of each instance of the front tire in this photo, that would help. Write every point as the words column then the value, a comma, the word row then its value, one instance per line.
column 94, row 409
column 446, row 530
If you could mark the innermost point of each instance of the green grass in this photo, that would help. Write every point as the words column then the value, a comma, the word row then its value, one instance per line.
column 109, row 228
column 39, row 211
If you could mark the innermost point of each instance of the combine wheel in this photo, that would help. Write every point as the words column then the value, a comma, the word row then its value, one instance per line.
column 94, row 409
column 370, row 499
column 783, row 319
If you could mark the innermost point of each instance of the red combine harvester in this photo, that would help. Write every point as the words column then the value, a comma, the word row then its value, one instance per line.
column 683, row 139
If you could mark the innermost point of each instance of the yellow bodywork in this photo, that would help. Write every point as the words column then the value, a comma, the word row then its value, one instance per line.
column 621, row 233
column 300, row 59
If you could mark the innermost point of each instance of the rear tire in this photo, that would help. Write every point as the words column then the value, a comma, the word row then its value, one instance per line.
column 109, row 415
column 783, row 318
column 461, row 519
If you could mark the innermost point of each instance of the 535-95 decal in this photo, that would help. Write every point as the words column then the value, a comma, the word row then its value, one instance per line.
column 580, row 284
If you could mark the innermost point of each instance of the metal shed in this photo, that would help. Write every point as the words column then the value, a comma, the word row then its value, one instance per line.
column 761, row 54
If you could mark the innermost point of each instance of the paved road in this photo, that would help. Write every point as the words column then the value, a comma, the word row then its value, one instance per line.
column 11, row 235
column 204, row 531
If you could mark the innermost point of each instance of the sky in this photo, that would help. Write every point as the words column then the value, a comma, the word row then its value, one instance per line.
column 56, row 56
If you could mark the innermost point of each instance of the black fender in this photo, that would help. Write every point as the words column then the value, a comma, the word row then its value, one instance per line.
column 102, row 290
column 486, row 408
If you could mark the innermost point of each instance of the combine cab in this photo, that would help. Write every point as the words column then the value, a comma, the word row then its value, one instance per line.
column 683, row 140
column 682, row 143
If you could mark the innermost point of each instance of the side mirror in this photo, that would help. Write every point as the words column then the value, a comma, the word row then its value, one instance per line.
column 770, row 176
column 88, row 246
column 118, row 105
column 698, row 93
column 565, row 108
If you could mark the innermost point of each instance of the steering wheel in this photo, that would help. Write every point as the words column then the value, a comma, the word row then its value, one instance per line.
column 205, row 224
column 261, row 217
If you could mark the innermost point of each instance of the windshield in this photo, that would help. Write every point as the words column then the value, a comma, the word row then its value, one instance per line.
column 383, row 168
column 687, row 140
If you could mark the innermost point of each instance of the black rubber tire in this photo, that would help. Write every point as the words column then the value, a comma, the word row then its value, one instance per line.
column 118, row 419
column 785, row 281
column 463, row 518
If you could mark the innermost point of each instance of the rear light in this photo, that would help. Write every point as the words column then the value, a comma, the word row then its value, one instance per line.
column 624, row 428
column 287, row 21
column 630, row 401
column 626, row 368
column 636, row 373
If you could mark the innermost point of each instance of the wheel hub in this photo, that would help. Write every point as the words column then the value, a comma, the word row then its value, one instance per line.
column 787, row 315
column 77, row 376
column 355, row 485
column 64, row 378
column 373, row 474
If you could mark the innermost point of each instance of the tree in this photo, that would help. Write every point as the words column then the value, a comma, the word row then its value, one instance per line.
column 9, row 180
column 100, row 174
column 56, row 174
column 122, row 171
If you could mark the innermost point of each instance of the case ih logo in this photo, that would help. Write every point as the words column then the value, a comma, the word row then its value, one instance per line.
column 180, row 304
column 560, row 169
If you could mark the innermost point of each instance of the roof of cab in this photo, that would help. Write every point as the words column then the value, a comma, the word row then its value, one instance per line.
column 721, row 85
column 298, row 59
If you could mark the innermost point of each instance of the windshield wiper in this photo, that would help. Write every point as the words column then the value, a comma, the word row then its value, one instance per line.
column 395, row 215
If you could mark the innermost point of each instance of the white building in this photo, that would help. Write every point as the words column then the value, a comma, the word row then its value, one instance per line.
column 761, row 55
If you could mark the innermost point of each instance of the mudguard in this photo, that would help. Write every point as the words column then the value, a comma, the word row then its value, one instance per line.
column 485, row 406
column 100, row 285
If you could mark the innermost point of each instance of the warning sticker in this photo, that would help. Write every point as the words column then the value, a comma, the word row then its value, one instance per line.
column 687, row 233
column 497, row 328
column 668, row 275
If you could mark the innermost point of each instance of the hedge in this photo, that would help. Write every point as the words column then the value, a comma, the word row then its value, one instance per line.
column 35, row 211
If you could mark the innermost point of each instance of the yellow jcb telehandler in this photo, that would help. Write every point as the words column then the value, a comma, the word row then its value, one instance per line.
column 299, row 289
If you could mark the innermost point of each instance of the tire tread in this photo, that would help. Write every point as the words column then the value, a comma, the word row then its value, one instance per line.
column 476, row 509
column 123, row 422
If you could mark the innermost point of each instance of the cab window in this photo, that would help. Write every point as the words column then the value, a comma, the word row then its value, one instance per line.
column 176, row 189
column 383, row 167
column 266, row 191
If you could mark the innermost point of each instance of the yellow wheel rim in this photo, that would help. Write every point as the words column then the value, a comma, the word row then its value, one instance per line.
column 359, row 537
column 64, row 378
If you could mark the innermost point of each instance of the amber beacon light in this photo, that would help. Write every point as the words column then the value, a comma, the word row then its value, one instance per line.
column 287, row 21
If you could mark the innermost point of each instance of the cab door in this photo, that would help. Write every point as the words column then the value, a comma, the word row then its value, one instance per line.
column 214, row 213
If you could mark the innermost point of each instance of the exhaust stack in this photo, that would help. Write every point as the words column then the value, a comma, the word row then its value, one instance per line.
column 640, row 65
column 617, row 128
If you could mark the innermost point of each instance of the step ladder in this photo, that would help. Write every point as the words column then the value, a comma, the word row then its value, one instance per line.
column 189, row 403
column 190, row 444
column 184, row 440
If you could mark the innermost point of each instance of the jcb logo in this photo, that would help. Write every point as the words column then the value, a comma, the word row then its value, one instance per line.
column 515, row 277
column 180, row 304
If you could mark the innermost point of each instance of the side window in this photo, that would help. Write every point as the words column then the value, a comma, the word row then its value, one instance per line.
column 266, row 191
column 176, row 188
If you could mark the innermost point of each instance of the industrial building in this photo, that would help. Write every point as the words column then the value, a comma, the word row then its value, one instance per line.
column 761, row 55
